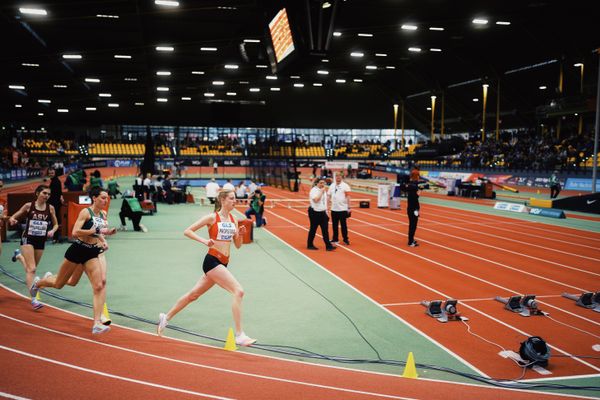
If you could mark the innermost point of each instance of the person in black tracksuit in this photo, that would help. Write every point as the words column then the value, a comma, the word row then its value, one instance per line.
column 412, row 209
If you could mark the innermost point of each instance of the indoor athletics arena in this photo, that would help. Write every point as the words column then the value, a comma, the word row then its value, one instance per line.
column 286, row 199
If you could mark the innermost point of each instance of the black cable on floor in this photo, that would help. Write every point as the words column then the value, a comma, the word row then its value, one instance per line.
column 299, row 352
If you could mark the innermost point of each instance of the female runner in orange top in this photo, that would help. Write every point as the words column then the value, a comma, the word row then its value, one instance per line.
column 222, row 229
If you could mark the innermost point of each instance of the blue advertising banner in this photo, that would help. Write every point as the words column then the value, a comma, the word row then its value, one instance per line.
column 547, row 212
column 584, row 184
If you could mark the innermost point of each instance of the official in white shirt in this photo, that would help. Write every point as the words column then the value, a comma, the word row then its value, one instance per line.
column 340, row 207
column 317, row 214
column 212, row 189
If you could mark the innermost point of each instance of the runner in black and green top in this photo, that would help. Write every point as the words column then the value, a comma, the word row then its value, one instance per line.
column 84, row 254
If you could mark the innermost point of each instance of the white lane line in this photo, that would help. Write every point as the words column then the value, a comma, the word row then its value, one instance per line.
column 494, row 247
column 413, row 303
column 441, row 293
column 107, row 375
column 174, row 360
column 515, row 269
column 12, row 396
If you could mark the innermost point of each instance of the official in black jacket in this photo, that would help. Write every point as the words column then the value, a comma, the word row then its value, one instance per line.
column 413, row 207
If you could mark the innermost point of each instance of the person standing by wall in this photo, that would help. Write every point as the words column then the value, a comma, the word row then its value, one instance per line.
column 212, row 189
column 317, row 215
column 554, row 185
column 56, row 199
column 340, row 207
column 413, row 207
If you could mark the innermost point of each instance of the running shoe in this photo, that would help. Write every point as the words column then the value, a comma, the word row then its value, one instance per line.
column 99, row 329
column 16, row 254
column 122, row 228
column 143, row 228
column 48, row 274
column 243, row 340
column 36, row 304
column 34, row 289
column 104, row 320
column 162, row 323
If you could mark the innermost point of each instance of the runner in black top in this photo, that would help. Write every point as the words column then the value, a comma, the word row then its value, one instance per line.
column 40, row 225
column 413, row 207
column 89, row 229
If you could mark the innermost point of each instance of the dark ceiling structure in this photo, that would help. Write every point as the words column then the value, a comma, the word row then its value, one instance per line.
column 110, row 61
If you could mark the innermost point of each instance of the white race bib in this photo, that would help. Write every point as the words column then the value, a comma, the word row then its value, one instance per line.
column 225, row 231
column 37, row 228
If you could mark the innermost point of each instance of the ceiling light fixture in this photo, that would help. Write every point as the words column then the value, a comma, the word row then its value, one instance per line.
column 104, row 94
column 209, row 95
column 435, row 50
column 113, row 105
column 365, row 34
column 208, row 49
column 251, row 41
column 60, row 86
column 414, row 49
column 271, row 77
column 337, row 34
column 122, row 56
column 371, row 67
column 357, row 54
column 138, row 104
column 164, row 48
column 543, row 87
column 275, row 89
column 502, row 23
column 480, row 21
column 162, row 89
column 16, row 87
column 299, row 85
column 231, row 66
column 162, row 99
column 317, row 84
column 340, row 81
column 90, row 109
column 63, row 110
column 18, row 106
column 92, row 80
column 436, row 28
column 44, row 101
column 409, row 27
column 475, row 100
column 322, row 72
column 33, row 11
column 254, row 90
column 357, row 80
column 131, row 79
column 163, row 73
column 72, row 56
column 231, row 94
column 30, row 64
column 197, row 73
column 380, row 55
column 261, row 66
column 218, row 83
column 186, row 98
column 107, row 16
column 168, row 3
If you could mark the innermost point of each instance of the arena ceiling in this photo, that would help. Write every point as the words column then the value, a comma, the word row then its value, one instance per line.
column 349, row 75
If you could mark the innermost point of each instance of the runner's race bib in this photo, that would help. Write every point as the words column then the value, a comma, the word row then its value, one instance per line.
column 37, row 228
column 225, row 231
